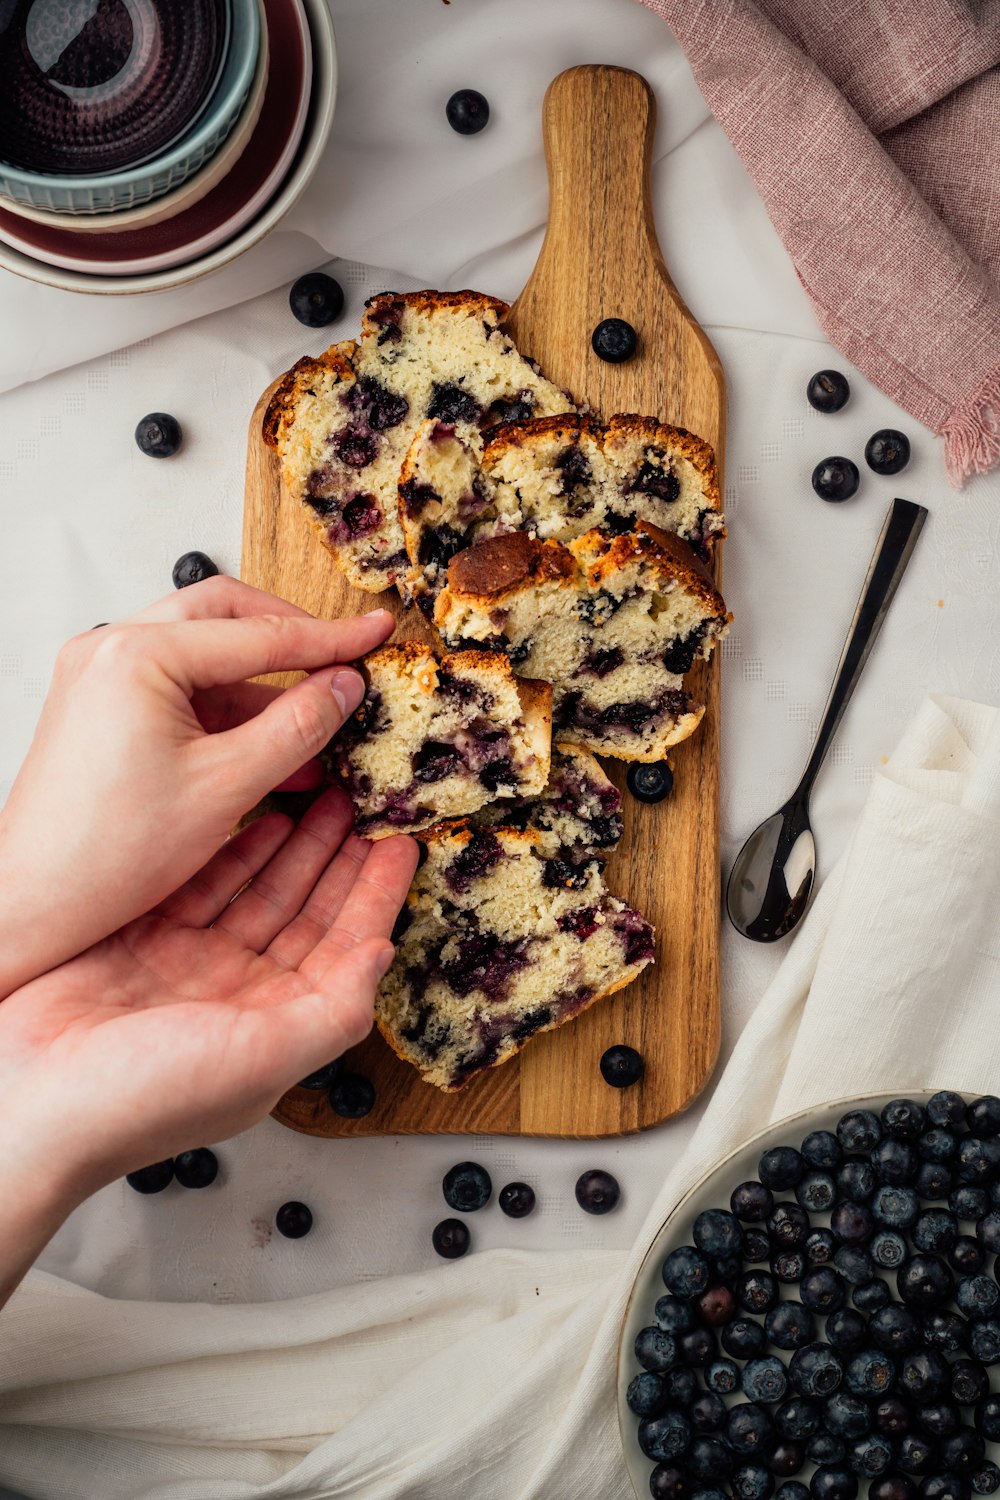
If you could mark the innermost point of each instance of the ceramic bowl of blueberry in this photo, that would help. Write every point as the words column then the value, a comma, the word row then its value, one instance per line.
column 819, row 1318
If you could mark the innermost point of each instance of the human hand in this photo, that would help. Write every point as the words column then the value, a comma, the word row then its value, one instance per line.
column 150, row 746
column 189, row 1023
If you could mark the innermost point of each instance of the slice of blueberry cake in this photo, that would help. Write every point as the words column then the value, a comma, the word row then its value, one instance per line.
column 555, row 477
column 613, row 623
column 577, row 814
column 437, row 737
column 498, row 941
column 343, row 423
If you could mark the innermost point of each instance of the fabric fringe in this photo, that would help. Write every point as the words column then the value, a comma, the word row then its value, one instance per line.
column 972, row 433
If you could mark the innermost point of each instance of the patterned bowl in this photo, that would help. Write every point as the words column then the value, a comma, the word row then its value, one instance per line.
column 112, row 112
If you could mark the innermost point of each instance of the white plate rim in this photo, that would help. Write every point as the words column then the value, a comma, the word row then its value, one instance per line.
column 814, row 1117
column 322, row 106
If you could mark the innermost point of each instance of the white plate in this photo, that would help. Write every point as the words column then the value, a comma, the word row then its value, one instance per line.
column 713, row 1191
column 317, row 130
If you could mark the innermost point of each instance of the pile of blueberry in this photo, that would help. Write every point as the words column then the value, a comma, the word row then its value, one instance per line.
column 468, row 1187
column 886, row 452
column 350, row 1095
column 838, row 1322
column 199, row 1169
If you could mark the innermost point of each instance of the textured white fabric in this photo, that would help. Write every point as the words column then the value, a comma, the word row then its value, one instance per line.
column 495, row 1377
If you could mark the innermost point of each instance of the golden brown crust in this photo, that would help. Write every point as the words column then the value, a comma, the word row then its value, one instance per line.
column 699, row 454
column 474, row 304
column 568, row 426
column 504, row 564
column 667, row 554
column 280, row 413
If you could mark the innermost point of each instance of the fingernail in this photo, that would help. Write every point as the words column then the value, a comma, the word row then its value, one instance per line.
column 348, row 688
column 384, row 962
column 372, row 612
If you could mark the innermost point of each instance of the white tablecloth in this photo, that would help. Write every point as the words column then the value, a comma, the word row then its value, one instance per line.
column 91, row 528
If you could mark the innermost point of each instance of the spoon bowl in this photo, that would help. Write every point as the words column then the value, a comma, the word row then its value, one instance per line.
column 772, row 877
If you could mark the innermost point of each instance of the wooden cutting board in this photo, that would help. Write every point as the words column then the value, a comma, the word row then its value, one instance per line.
column 600, row 259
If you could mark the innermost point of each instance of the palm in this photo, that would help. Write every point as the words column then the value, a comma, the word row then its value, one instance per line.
column 172, row 1032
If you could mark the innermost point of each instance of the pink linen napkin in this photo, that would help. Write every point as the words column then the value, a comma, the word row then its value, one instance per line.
column 871, row 129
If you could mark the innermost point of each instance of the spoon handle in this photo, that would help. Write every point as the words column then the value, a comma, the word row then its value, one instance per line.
column 892, row 553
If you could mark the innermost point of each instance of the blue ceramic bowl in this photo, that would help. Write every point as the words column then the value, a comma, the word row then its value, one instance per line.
column 139, row 98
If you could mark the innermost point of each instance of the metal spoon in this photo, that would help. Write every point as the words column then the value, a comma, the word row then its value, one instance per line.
column 773, row 874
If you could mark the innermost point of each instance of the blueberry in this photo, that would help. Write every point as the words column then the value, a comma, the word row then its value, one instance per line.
column 664, row 1437
column 751, row 1202
column 888, row 1249
column 790, row 1325
column 152, row 1179
column 852, row 1223
column 821, row 1150
column 856, row 1180
column 895, row 1161
column 984, row 1116
column 698, row 1348
column 944, row 1487
column 597, row 1192
column 933, row 1181
column 896, row 1207
column 816, row 1192
column 985, row 1478
column 962, row 1451
column 451, row 1238
column 859, row 1131
column 781, row 1167
column 756, row 1246
column 968, row 1203
column 708, row 1459
column 707, row 1413
column 786, row 1458
column 846, row 1416
column 656, row 1350
column 977, row 1296
column 895, row 1329
column 984, row 1340
column 744, row 1339
column 829, row 1483
column 316, row 299
column 892, row 1417
column 791, row 1490
column 716, row 1306
column 716, row 1232
column 614, row 340
column 887, row 451
column 870, row 1456
column 854, row 1264
column 938, row 1419
column 914, row 1453
column 752, row 1482
column 468, row 112
column 722, row 1377
column 923, row 1375
column 948, row 1109
column 756, row 1291
column 749, row 1428
column 196, row 1169
column 870, row 1296
column 815, row 1370
column 892, row 1487
column 824, row 1448
column 621, row 1066
column 846, row 1330
column 467, row 1187
column 788, row 1265
column 764, row 1380
column 293, row 1220
column 828, row 391
column 798, row 1418
column 937, row 1144
column 978, row 1160
column 988, row 1231
column 668, row 1483
column 820, row 1247
column 870, row 1372
column 649, row 781
column 685, row 1271
column 925, row 1281
column 680, row 1386
column 192, row 567
column 835, row 479
column 788, row 1226
column 158, row 435
column 945, row 1330
column 823, row 1290
column 673, row 1314
column 322, row 1078
column 726, row 1268
column 645, row 1392
column 516, row 1200
column 988, row 1418
column 352, row 1096
column 968, row 1382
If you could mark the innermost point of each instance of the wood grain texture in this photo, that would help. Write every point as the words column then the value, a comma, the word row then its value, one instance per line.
column 600, row 259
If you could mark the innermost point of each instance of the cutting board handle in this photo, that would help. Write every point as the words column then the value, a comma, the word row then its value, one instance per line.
column 598, row 124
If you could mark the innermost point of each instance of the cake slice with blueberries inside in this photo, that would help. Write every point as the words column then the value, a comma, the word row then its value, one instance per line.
column 613, row 622
column 556, row 477
column 577, row 814
column 437, row 737
column 342, row 423
column 497, row 942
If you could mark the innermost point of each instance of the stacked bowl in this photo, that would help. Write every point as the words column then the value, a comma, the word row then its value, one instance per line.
column 145, row 143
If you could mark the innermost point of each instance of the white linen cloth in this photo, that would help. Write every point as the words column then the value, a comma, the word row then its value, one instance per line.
column 893, row 983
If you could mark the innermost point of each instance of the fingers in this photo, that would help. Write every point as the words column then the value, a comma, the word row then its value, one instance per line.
column 261, row 753
column 369, row 909
column 218, row 598
column 292, row 946
column 276, row 895
column 222, row 708
column 205, row 653
column 198, row 902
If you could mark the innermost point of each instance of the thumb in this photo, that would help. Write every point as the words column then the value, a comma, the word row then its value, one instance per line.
column 305, row 1033
column 288, row 732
